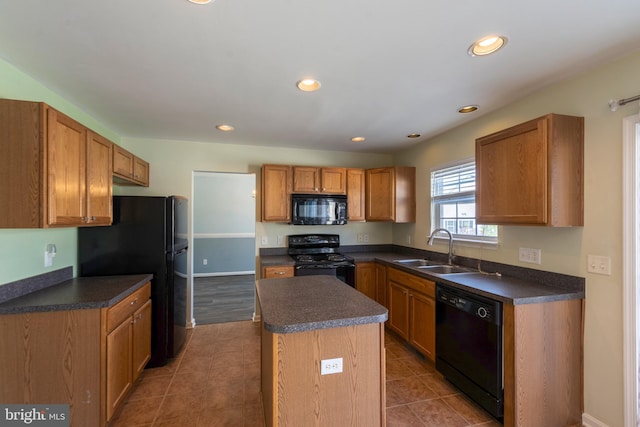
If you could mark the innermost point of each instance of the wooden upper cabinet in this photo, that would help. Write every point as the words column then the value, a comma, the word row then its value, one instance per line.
column 355, row 194
column 333, row 180
column 66, row 167
column 532, row 173
column 122, row 162
column 129, row 169
column 99, row 179
column 310, row 179
column 391, row 194
column 276, row 193
column 53, row 171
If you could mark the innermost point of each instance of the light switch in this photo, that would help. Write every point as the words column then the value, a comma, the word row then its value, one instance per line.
column 599, row 264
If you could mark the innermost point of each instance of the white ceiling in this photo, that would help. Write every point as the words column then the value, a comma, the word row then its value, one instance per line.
column 169, row 69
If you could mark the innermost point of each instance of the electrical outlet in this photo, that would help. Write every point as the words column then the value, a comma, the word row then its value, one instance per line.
column 265, row 240
column 408, row 239
column 331, row 366
column 360, row 238
column 599, row 264
column 205, row 261
column 280, row 240
column 365, row 237
column 532, row 256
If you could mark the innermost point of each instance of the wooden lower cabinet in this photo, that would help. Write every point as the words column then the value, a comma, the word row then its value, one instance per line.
column 68, row 356
column 543, row 364
column 422, row 328
column 371, row 280
column 398, row 309
column 381, row 284
column 412, row 310
column 277, row 271
column 128, row 350
column 54, row 357
column 366, row 279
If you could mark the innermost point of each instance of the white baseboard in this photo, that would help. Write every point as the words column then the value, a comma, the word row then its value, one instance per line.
column 225, row 273
column 589, row 421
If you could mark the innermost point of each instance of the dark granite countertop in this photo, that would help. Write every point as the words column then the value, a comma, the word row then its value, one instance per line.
column 76, row 294
column 306, row 303
column 514, row 285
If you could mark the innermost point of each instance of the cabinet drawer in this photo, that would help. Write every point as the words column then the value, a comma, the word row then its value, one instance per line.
column 278, row 271
column 126, row 307
column 416, row 283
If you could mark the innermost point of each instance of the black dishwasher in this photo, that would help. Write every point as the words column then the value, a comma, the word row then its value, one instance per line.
column 469, row 345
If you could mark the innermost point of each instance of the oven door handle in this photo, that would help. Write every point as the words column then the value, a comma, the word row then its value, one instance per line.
column 316, row 266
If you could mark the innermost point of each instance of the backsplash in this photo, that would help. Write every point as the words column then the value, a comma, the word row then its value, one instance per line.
column 31, row 284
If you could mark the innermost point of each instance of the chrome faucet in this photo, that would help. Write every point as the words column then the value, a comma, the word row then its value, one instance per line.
column 444, row 230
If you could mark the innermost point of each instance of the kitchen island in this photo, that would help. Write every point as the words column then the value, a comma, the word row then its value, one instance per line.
column 322, row 353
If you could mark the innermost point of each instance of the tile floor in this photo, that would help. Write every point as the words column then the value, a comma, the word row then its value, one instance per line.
column 215, row 381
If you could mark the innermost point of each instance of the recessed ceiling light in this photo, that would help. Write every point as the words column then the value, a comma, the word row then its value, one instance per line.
column 200, row 1
column 413, row 135
column 225, row 128
column 487, row 45
column 357, row 139
column 308, row 85
column 467, row 109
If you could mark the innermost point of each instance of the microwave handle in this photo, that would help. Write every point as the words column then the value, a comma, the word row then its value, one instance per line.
column 340, row 207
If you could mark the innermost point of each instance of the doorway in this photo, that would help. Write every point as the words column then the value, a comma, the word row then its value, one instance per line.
column 223, row 247
column 631, row 270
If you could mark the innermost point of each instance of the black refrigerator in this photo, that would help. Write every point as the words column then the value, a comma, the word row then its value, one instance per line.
column 148, row 235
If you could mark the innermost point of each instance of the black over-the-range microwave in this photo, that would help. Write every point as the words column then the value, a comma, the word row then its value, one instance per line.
column 318, row 209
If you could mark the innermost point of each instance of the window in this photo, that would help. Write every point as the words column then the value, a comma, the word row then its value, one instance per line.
column 453, row 203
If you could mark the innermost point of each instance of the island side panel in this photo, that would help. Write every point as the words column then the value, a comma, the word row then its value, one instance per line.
column 302, row 396
column 543, row 364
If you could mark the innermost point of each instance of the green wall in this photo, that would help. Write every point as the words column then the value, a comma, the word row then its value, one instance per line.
column 22, row 251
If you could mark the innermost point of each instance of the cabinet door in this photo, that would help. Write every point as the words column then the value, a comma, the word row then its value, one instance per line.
column 122, row 162
column 119, row 367
column 66, row 162
column 380, row 194
column 333, row 180
column 141, row 346
column 306, row 179
column 381, row 284
column 422, row 324
column 511, row 179
column 141, row 171
column 366, row 279
column 276, row 193
column 99, row 179
column 398, row 299
column 278, row 271
column 355, row 194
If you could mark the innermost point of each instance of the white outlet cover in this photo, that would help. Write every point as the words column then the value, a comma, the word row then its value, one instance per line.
column 331, row 366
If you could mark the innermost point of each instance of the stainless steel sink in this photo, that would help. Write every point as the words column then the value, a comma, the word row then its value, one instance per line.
column 416, row 262
column 445, row 269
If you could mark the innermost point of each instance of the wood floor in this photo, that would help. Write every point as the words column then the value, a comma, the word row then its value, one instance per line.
column 220, row 299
